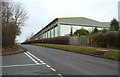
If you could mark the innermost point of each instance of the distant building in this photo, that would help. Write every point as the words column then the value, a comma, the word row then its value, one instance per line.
column 63, row 26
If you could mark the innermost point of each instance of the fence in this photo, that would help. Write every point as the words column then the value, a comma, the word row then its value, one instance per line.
column 75, row 40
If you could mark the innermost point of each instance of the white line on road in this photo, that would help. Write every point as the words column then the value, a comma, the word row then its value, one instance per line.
column 47, row 65
column 20, row 65
column 32, row 55
column 32, row 58
column 53, row 69
column 42, row 62
column 60, row 75
column 36, row 57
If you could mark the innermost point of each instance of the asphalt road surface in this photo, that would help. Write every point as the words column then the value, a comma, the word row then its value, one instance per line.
column 47, row 61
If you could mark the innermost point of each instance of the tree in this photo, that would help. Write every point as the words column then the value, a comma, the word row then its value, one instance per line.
column 114, row 25
column 71, row 31
column 104, row 30
column 81, row 32
column 13, row 17
column 95, row 30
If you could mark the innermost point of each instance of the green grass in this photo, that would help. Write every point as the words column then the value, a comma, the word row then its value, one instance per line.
column 111, row 54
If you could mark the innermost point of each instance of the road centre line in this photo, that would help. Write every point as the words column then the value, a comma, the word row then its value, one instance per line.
column 20, row 65
column 31, row 58
column 47, row 65
column 53, row 69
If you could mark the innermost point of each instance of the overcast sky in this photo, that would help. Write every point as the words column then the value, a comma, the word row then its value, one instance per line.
column 41, row 12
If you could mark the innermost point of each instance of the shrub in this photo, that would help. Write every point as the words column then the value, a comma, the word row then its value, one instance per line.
column 81, row 32
column 108, row 39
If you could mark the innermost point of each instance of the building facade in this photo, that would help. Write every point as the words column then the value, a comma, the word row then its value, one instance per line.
column 63, row 27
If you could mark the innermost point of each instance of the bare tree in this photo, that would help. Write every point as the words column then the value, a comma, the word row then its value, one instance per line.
column 13, row 17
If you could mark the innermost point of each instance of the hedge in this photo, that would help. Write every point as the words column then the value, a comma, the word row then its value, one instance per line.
column 55, row 40
column 109, row 39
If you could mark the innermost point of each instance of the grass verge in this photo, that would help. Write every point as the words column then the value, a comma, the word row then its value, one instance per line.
column 110, row 54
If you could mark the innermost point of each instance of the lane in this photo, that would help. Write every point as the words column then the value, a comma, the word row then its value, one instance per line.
column 16, row 59
column 68, row 63
column 36, row 62
column 25, row 64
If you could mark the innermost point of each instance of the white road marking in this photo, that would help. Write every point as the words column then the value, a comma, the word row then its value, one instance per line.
column 37, row 63
column 31, row 58
column 53, row 69
column 32, row 55
column 60, row 75
column 36, row 58
column 47, row 65
column 41, row 61
column 20, row 65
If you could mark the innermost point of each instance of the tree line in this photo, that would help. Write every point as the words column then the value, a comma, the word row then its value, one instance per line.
column 13, row 18
column 106, row 37
column 114, row 26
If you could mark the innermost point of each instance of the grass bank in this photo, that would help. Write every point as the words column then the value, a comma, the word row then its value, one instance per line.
column 99, row 52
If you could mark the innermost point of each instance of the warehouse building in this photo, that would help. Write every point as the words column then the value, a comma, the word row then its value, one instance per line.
column 63, row 27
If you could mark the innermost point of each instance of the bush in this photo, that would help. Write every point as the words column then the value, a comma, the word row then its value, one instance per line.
column 81, row 32
column 109, row 39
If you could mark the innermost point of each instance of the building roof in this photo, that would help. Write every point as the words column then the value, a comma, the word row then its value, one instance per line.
column 82, row 21
column 76, row 21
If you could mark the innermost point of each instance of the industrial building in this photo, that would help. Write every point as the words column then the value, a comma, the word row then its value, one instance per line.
column 63, row 27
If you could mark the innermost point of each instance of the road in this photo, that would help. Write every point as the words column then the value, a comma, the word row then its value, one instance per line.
column 47, row 61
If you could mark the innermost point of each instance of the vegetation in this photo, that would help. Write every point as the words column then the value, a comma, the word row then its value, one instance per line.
column 71, row 32
column 81, row 32
column 13, row 17
column 114, row 25
column 108, row 39
column 104, row 30
column 112, row 54
column 55, row 40
column 95, row 30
